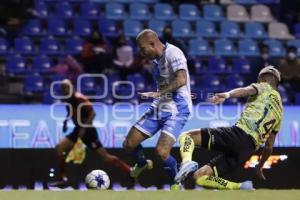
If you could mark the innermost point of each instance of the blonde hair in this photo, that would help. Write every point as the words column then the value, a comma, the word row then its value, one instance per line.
column 148, row 32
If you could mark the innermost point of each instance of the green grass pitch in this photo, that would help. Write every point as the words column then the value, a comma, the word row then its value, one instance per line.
column 152, row 195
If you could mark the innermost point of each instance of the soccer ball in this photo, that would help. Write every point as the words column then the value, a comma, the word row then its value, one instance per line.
column 97, row 179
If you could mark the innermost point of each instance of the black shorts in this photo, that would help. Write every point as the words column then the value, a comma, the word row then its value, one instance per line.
column 234, row 145
column 90, row 137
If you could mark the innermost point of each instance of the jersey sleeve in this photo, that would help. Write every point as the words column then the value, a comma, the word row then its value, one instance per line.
column 259, row 87
column 176, row 59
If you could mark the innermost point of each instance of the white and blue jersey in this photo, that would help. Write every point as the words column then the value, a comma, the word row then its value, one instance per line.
column 168, row 113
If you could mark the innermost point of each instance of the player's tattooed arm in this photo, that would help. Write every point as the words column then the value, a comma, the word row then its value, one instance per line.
column 178, row 81
column 235, row 93
column 242, row 92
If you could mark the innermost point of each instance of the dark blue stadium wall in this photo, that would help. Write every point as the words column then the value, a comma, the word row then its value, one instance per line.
column 27, row 166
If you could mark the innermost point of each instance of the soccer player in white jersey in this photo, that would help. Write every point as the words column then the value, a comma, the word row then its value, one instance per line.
column 171, row 106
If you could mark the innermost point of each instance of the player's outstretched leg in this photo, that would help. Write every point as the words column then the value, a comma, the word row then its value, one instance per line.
column 62, row 149
column 204, row 177
column 132, row 145
column 223, row 184
column 113, row 160
column 141, row 162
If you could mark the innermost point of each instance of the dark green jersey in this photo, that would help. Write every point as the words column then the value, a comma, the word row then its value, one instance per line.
column 262, row 114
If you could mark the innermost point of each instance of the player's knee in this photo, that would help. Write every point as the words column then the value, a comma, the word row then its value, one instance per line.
column 162, row 153
column 182, row 135
column 205, row 170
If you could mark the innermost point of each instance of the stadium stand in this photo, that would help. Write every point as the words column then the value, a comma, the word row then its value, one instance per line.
column 233, row 31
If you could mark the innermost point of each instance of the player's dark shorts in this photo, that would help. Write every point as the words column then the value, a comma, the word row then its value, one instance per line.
column 90, row 137
column 234, row 145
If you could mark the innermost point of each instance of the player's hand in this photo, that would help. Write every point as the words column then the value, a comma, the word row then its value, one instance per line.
column 260, row 173
column 219, row 98
column 65, row 127
column 149, row 94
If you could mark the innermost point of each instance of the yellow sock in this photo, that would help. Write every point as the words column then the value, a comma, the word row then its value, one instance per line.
column 186, row 147
column 217, row 183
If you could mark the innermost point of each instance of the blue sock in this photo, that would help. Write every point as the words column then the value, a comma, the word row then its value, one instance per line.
column 139, row 156
column 170, row 165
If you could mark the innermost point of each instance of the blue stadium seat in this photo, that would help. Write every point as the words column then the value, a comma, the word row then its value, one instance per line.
column 89, row 10
column 230, row 29
column 297, row 30
column 193, row 82
column 15, row 65
column 47, row 98
column 138, row 80
column 189, row 12
column 164, row 11
column 199, row 66
column 132, row 28
column 33, row 84
column 217, row 65
column 73, row 45
column 50, row 46
column 82, row 27
column 53, row 90
column 115, row 11
column 231, row 101
column 108, row 99
column 148, row 1
column 276, row 48
column 182, row 29
column 206, row 29
column 199, row 47
column 284, row 96
column 139, row 11
column 101, row 1
column 213, row 12
column 56, row 88
column 268, row 1
column 241, row 65
column 108, row 28
column 57, row 27
column 4, row 48
column 255, row 30
column 41, row 64
column 125, row 1
column 77, row 1
column 88, row 85
column 42, row 9
column 210, row 82
column 224, row 47
column 131, row 42
column 157, row 25
column 64, row 9
column 235, row 81
column 124, row 93
column 33, row 28
column 24, row 46
column 295, row 43
column 248, row 47
column 245, row 2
